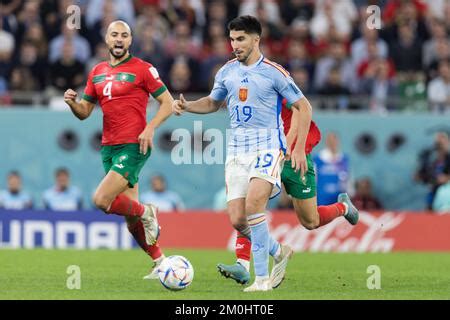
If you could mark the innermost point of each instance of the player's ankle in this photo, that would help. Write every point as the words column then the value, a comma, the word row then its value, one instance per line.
column 244, row 263
column 346, row 208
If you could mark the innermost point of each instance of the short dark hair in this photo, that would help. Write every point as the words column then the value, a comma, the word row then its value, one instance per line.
column 248, row 24
column 14, row 173
column 62, row 170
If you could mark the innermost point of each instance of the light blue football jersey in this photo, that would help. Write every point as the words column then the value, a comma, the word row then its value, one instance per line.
column 253, row 95
column 15, row 201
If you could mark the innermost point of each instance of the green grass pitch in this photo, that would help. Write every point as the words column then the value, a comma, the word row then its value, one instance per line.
column 42, row 274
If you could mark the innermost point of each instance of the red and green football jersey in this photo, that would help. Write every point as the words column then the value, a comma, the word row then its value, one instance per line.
column 122, row 92
column 313, row 137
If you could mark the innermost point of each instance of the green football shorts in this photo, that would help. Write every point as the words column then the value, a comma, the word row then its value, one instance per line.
column 295, row 186
column 124, row 159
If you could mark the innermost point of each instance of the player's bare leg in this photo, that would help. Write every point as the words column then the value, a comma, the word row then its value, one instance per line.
column 312, row 217
column 136, row 228
column 240, row 271
column 109, row 198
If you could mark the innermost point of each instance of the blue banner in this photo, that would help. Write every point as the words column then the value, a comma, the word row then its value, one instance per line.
column 62, row 230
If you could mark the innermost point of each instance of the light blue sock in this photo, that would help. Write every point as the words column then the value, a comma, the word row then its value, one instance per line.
column 273, row 245
column 260, row 243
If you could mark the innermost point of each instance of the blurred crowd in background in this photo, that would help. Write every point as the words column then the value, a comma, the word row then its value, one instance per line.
column 326, row 45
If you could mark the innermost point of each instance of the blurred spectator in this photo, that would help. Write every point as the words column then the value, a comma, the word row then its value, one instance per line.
column 219, row 55
column 35, row 64
column 364, row 199
column 333, row 20
column 430, row 47
column 335, row 89
column 360, row 48
column 294, row 9
column 14, row 198
column 299, row 31
column 151, row 19
column 164, row 199
column 181, row 42
column 150, row 49
column 298, row 57
column 332, row 170
column 336, row 58
column 439, row 89
column 62, row 196
column 393, row 9
column 442, row 53
column 22, row 80
column 270, row 8
column 216, row 18
column 302, row 79
column 378, row 83
column 67, row 71
column 27, row 16
column 180, row 78
column 36, row 36
column 441, row 202
column 9, row 6
column 434, row 165
column 81, row 47
column 7, row 45
column 122, row 9
column 406, row 52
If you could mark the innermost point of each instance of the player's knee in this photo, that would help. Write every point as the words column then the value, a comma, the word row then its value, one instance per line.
column 311, row 224
column 101, row 202
column 254, row 206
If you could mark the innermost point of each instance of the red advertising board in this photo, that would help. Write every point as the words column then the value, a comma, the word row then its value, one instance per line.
column 375, row 232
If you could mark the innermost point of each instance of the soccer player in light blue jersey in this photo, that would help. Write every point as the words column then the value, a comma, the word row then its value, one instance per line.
column 252, row 87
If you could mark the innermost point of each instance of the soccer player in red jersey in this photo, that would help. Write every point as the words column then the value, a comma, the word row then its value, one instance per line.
column 122, row 86
column 303, row 192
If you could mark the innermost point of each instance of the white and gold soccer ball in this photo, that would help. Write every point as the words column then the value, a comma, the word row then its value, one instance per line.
column 175, row 273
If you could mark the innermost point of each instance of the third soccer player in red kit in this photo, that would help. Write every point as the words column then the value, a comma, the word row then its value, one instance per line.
column 122, row 86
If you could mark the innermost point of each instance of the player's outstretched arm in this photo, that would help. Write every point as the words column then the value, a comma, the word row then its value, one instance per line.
column 81, row 109
column 298, row 155
column 165, row 110
column 201, row 106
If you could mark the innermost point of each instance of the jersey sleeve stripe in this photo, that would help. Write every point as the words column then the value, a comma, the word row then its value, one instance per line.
column 159, row 91
column 89, row 98
column 232, row 60
column 279, row 68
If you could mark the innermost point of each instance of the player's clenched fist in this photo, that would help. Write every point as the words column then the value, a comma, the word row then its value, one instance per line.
column 70, row 95
column 179, row 106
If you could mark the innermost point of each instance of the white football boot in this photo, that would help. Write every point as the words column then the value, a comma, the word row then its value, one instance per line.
column 150, row 223
column 279, row 265
column 153, row 275
column 260, row 285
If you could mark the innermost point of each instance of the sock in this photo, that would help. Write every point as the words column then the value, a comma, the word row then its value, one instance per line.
column 243, row 248
column 260, row 243
column 137, row 230
column 274, row 247
column 124, row 206
column 330, row 212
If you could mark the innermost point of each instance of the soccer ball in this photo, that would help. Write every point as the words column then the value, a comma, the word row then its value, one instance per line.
column 176, row 273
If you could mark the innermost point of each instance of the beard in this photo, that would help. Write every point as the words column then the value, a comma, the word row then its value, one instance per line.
column 245, row 58
column 118, row 56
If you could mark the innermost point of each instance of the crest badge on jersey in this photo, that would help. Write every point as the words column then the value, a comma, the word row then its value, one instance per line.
column 243, row 93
